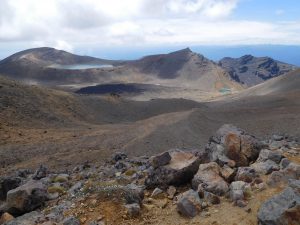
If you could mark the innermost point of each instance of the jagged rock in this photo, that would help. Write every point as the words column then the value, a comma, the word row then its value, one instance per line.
column 71, row 221
column 282, row 209
column 237, row 190
column 292, row 171
column 246, row 174
column 121, row 166
column 75, row 188
column 7, row 184
column 189, row 203
column 119, row 156
column 40, row 173
column 171, row 191
column 26, row 198
column 284, row 163
column 6, row 217
column 211, row 198
column 133, row 210
column 276, row 137
column 23, row 173
column 232, row 143
column 133, row 194
column 265, row 167
column 156, row 192
column 160, row 160
column 208, row 176
column 266, row 154
column 180, row 170
column 228, row 173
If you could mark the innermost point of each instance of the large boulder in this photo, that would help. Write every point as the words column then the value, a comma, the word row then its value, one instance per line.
column 189, row 203
column 7, row 184
column 179, row 170
column 209, row 178
column 26, row 198
column 282, row 209
column 233, row 144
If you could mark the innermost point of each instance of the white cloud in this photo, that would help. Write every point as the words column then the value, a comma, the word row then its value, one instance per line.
column 68, row 23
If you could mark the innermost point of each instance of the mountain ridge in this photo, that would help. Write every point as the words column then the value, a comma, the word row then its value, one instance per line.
column 182, row 68
column 250, row 70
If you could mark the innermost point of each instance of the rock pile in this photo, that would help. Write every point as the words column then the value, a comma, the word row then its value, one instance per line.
column 232, row 167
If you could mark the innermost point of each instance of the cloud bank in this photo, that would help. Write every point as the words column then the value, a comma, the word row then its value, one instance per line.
column 68, row 23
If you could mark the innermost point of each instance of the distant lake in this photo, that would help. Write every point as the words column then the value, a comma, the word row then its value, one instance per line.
column 79, row 66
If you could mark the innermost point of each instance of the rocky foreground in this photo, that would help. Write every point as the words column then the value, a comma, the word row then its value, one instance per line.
column 237, row 179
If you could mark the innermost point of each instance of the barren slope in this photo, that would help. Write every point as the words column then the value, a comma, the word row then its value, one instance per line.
column 45, row 126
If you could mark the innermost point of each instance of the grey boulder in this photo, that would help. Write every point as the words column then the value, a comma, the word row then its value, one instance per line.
column 189, row 204
column 26, row 198
column 282, row 209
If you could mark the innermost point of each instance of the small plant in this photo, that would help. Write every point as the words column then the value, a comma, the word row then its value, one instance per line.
column 56, row 189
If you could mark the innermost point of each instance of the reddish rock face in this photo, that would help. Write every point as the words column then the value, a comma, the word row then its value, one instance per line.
column 233, row 148
column 6, row 217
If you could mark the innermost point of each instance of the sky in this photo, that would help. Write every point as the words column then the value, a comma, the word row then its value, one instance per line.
column 101, row 27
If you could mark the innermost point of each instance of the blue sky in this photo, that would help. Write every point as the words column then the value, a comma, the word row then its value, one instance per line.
column 130, row 28
column 268, row 10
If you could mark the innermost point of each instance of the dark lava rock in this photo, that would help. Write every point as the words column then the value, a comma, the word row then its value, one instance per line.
column 189, row 203
column 133, row 194
column 7, row 184
column 180, row 170
column 119, row 156
column 40, row 173
column 282, row 209
column 133, row 210
column 26, row 198
column 160, row 160
column 246, row 174
column 291, row 171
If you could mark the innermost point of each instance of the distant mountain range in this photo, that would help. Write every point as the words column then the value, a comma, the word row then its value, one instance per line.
column 181, row 70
